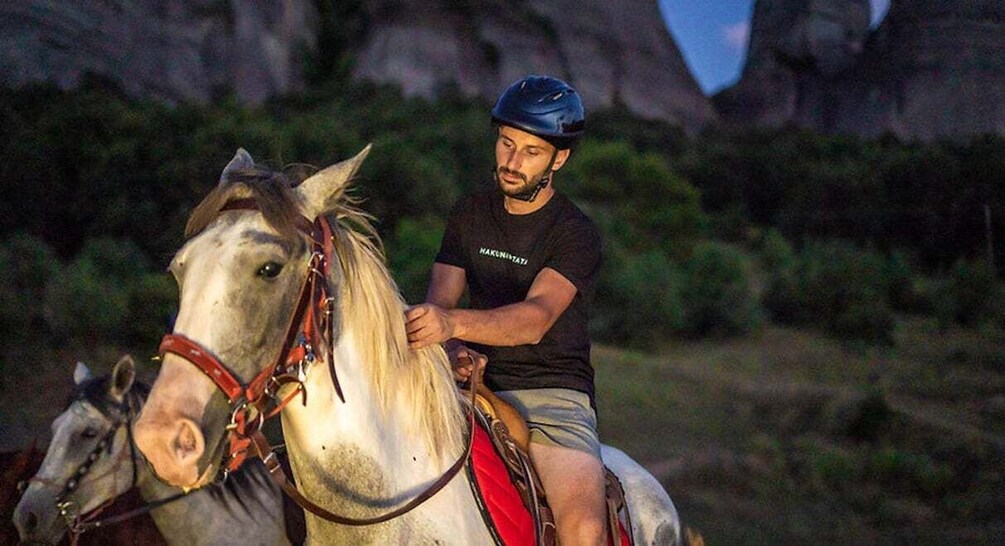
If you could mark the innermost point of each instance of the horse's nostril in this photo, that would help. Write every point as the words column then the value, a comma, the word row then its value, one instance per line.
column 185, row 443
column 172, row 448
column 30, row 522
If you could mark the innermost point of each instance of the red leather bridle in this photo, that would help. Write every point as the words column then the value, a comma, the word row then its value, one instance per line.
column 309, row 324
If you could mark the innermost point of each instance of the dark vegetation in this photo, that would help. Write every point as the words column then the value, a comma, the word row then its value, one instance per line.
column 709, row 235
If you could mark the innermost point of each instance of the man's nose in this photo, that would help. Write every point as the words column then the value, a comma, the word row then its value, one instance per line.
column 513, row 161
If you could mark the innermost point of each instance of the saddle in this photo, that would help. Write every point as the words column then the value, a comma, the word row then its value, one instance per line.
column 510, row 437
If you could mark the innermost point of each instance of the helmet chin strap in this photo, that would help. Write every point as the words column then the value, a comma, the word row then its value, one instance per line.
column 530, row 195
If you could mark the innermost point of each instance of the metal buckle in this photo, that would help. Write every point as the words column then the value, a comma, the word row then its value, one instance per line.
column 64, row 510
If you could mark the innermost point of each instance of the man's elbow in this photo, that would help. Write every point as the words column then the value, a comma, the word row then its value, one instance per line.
column 533, row 326
column 536, row 334
column 534, row 339
column 529, row 335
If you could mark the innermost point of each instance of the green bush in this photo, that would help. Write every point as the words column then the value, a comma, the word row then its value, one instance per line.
column 781, row 294
column 411, row 253
column 638, row 300
column 862, row 320
column 927, row 198
column 909, row 471
column 651, row 207
column 91, row 298
column 28, row 264
column 153, row 302
column 968, row 296
column 903, row 289
column 717, row 292
column 836, row 287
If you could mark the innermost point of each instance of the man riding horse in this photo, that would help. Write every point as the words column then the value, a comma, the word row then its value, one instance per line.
column 529, row 259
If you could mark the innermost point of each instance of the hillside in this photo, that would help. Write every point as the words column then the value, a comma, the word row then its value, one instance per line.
column 789, row 438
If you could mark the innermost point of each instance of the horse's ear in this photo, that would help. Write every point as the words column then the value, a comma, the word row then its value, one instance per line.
column 242, row 161
column 81, row 373
column 122, row 377
column 320, row 193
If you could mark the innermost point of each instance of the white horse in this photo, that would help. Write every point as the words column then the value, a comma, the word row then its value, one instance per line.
column 91, row 461
column 402, row 422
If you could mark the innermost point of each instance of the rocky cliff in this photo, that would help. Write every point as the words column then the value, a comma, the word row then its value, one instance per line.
column 932, row 69
column 174, row 50
column 187, row 50
column 793, row 45
column 611, row 51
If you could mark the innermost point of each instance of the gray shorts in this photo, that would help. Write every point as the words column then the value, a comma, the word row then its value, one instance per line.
column 560, row 417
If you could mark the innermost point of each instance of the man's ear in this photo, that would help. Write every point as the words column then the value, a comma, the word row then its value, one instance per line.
column 561, row 156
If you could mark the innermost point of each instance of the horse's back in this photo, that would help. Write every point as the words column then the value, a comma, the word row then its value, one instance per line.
column 654, row 517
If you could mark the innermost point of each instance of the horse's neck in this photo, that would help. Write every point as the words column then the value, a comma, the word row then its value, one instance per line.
column 356, row 461
column 251, row 515
column 357, row 425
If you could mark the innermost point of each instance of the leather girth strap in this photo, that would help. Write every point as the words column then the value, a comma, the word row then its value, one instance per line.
column 616, row 506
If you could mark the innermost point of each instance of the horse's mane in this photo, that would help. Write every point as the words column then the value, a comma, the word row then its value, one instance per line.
column 95, row 390
column 416, row 385
column 419, row 383
column 271, row 190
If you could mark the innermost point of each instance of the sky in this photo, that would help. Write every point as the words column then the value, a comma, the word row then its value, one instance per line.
column 712, row 35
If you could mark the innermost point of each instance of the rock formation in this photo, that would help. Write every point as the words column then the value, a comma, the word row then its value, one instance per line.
column 932, row 69
column 173, row 50
column 795, row 45
column 612, row 52
column 188, row 50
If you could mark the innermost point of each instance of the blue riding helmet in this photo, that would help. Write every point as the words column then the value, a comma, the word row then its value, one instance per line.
column 543, row 106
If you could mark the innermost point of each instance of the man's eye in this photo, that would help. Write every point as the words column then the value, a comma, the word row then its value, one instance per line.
column 270, row 270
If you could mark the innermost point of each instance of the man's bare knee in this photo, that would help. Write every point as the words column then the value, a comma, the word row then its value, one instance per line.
column 574, row 484
column 582, row 528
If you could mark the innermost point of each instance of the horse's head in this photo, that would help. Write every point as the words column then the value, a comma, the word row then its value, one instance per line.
column 90, row 460
column 240, row 277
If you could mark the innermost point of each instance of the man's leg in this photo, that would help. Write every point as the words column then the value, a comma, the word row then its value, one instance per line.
column 565, row 451
column 574, row 484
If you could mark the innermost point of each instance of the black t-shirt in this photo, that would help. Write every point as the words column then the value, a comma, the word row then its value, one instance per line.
column 501, row 254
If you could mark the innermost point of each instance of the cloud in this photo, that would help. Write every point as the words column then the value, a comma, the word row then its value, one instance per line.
column 879, row 9
column 737, row 35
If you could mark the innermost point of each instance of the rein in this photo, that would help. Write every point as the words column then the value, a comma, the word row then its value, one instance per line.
column 249, row 402
column 77, row 524
column 264, row 451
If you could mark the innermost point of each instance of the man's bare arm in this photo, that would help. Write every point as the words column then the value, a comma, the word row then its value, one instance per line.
column 520, row 323
column 446, row 285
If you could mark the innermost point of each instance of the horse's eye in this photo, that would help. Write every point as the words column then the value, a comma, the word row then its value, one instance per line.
column 89, row 433
column 270, row 270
